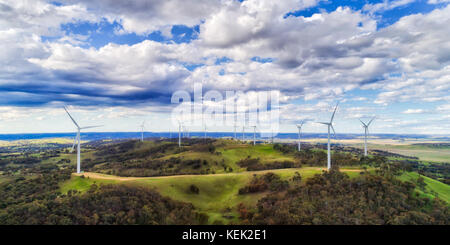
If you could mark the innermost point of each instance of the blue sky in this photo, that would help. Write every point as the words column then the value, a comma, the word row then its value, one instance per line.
column 117, row 63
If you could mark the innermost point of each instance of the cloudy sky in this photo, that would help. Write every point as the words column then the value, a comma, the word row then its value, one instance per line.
column 117, row 62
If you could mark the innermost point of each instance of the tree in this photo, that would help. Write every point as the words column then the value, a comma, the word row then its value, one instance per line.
column 421, row 182
column 297, row 178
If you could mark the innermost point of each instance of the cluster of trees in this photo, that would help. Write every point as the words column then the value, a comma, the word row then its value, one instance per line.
column 268, row 181
column 37, row 201
column 23, row 190
column 333, row 198
column 254, row 164
column 438, row 171
column 158, row 167
column 130, row 150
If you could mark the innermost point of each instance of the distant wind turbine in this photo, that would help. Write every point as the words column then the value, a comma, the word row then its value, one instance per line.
column 78, row 140
column 142, row 126
column 243, row 132
column 204, row 136
column 254, row 135
column 272, row 136
column 299, row 126
column 179, row 134
column 366, row 132
column 330, row 125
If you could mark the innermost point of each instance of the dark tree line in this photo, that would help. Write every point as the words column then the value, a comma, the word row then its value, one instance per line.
column 333, row 198
column 37, row 201
column 265, row 182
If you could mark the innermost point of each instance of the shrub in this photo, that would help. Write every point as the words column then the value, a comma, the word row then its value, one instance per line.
column 194, row 189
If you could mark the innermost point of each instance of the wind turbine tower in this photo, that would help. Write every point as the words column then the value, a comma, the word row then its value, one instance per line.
column 77, row 140
column 366, row 133
column 142, row 130
column 330, row 125
column 272, row 137
column 179, row 134
column 254, row 135
column 243, row 132
column 299, row 126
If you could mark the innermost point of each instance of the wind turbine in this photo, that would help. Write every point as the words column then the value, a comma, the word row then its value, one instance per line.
column 254, row 135
column 78, row 140
column 187, row 131
column 235, row 131
column 243, row 132
column 272, row 137
column 366, row 132
column 204, row 136
column 299, row 126
column 330, row 125
column 179, row 134
column 142, row 130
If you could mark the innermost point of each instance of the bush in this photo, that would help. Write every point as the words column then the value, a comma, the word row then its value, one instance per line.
column 268, row 181
column 194, row 189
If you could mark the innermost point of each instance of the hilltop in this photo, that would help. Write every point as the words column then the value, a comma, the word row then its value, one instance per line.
column 225, row 181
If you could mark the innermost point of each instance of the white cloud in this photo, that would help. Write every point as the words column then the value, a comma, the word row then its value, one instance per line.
column 413, row 111
column 145, row 16
column 385, row 5
column 437, row 1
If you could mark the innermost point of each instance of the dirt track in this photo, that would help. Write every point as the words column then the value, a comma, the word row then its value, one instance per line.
column 112, row 177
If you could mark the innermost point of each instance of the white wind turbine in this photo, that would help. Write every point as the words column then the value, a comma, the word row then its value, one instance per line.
column 299, row 126
column 179, row 134
column 272, row 137
column 142, row 126
column 77, row 140
column 330, row 125
column 366, row 132
column 254, row 135
column 186, row 131
column 243, row 132
column 204, row 132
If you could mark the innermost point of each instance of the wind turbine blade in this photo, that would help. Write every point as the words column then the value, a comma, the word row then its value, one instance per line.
column 74, row 142
column 91, row 127
column 73, row 120
column 334, row 132
column 370, row 121
column 362, row 122
column 325, row 123
column 303, row 122
column 332, row 116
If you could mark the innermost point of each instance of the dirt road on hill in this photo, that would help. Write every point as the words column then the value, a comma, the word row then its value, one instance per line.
column 119, row 178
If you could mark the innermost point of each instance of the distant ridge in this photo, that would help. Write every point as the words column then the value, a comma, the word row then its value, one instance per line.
column 135, row 135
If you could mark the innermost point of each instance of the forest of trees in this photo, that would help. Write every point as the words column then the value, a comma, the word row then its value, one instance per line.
column 37, row 201
column 333, row 198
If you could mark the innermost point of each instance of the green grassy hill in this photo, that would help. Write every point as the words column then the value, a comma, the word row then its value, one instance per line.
column 218, row 196
column 432, row 189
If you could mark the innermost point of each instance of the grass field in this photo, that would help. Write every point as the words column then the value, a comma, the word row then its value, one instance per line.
column 218, row 195
column 266, row 153
column 423, row 152
column 4, row 143
column 432, row 188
